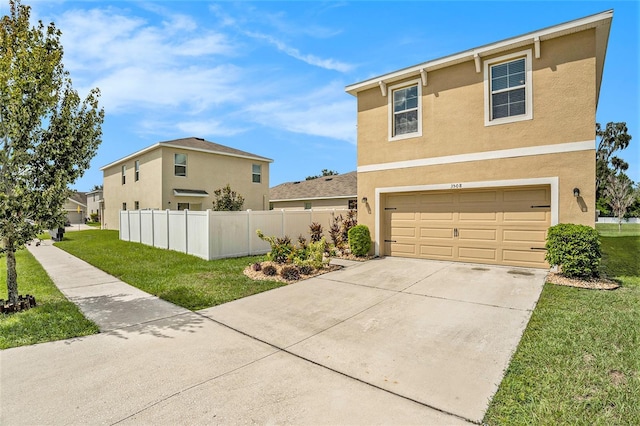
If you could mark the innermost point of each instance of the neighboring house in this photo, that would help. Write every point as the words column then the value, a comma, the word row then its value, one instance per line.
column 182, row 174
column 471, row 157
column 76, row 207
column 95, row 203
column 325, row 192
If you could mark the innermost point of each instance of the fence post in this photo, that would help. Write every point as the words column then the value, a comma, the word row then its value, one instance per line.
column 186, row 231
column 153, row 229
column 168, row 230
column 140, row 225
column 208, row 233
column 128, row 224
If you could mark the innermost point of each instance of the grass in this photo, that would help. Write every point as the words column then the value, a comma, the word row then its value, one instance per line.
column 54, row 317
column 185, row 280
column 579, row 359
column 611, row 229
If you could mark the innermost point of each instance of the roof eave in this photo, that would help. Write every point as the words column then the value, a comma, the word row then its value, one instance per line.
column 599, row 20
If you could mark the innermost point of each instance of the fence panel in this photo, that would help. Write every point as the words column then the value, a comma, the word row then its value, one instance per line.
column 228, row 234
column 214, row 235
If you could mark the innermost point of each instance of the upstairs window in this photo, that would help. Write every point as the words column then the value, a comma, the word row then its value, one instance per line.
column 508, row 89
column 405, row 110
column 124, row 176
column 137, row 170
column 180, row 164
column 256, row 175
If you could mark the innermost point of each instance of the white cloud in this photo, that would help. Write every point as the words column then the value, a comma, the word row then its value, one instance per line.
column 330, row 64
column 323, row 112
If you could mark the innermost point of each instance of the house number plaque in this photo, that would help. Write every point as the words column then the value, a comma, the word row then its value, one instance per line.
column 456, row 185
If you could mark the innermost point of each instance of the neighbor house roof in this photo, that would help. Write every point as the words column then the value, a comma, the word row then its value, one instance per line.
column 601, row 22
column 193, row 144
column 79, row 198
column 336, row 186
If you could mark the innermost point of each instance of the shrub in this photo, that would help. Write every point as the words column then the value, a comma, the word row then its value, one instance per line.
column 314, row 256
column 256, row 266
column 315, row 229
column 290, row 273
column 306, row 269
column 281, row 248
column 575, row 249
column 269, row 270
column 359, row 240
column 335, row 230
column 348, row 222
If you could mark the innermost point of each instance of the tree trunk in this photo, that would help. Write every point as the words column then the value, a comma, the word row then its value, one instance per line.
column 12, row 277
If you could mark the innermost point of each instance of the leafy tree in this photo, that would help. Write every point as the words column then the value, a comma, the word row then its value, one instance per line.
column 227, row 200
column 48, row 135
column 613, row 137
column 621, row 195
column 96, row 187
column 325, row 172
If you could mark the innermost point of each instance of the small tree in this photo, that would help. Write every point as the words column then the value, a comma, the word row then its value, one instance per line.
column 227, row 200
column 48, row 134
column 325, row 172
column 613, row 137
column 621, row 195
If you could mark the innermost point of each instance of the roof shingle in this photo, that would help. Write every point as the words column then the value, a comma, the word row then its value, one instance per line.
column 344, row 185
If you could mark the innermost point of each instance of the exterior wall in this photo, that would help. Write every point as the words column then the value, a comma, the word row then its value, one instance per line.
column 206, row 171
column 453, row 102
column 93, row 206
column 340, row 203
column 146, row 190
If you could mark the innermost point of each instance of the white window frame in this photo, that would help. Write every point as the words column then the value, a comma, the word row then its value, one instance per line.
column 390, row 90
column 254, row 174
column 123, row 173
column 137, row 170
column 185, row 165
column 528, row 88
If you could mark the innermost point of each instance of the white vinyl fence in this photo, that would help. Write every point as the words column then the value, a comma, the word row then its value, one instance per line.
column 615, row 220
column 214, row 235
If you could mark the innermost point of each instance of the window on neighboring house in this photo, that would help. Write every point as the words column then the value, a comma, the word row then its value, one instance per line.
column 180, row 164
column 508, row 89
column 183, row 206
column 256, row 175
column 124, row 206
column 405, row 110
column 124, row 174
column 137, row 174
column 307, row 206
column 353, row 204
column 270, row 206
column 136, row 205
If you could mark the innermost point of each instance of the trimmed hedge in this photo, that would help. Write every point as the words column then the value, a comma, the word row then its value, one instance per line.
column 359, row 240
column 575, row 249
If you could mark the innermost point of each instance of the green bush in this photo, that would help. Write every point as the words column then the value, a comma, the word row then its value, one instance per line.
column 281, row 248
column 312, row 256
column 575, row 249
column 359, row 240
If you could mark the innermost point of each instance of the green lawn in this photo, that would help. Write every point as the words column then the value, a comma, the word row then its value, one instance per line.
column 54, row 317
column 179, row 278
column 579, row 358
column 611, row 229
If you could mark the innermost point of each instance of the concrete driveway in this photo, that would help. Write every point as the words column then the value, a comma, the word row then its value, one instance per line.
column 389, row 341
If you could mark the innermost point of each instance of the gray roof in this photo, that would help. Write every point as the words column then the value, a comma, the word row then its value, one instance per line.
column 196, row 144
column 78, row 197
column 337, row 186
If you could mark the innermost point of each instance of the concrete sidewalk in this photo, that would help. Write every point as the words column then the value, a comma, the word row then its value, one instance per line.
column 107, row 301
column 156, row 363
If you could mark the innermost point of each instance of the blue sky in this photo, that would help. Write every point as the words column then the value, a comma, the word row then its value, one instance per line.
column 269, row 77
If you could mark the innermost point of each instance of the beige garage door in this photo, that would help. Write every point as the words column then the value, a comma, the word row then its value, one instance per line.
column 504, row 226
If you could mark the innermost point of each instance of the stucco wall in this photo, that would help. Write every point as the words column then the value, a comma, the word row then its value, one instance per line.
column 342, row 203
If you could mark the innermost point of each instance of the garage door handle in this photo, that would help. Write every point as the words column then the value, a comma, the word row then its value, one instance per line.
column 540, row 207
column 538, row 248
column 390, row 241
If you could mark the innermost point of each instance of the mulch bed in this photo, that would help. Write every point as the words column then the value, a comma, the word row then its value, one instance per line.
column 259, row 275
column 593, row 283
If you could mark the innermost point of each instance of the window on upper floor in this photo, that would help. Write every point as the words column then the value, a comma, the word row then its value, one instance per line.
column 405, row 110
column 256, row 175
column 508, row 89
column 180, row 164
column 124, row 176
column 137, row 171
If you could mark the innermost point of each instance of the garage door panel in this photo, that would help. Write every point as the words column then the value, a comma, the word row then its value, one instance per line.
column 436, row 251
column 437, row 216
column 486, row 235
column 475, row 254
column 524, row 236
column 496, row 226
column 440, row 233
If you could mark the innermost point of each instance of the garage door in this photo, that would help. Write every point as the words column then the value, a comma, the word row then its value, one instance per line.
column 504, row 226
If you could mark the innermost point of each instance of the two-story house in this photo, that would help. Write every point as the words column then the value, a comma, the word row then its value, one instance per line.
column 94, row 203
column 182, row 174
column 472, row 157
column 324, row 192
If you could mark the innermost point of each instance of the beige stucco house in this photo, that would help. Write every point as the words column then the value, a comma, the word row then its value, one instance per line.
column 76, row 207
column 182, row 174
column 94, row 203
column 325, row 192
column 471, row 157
